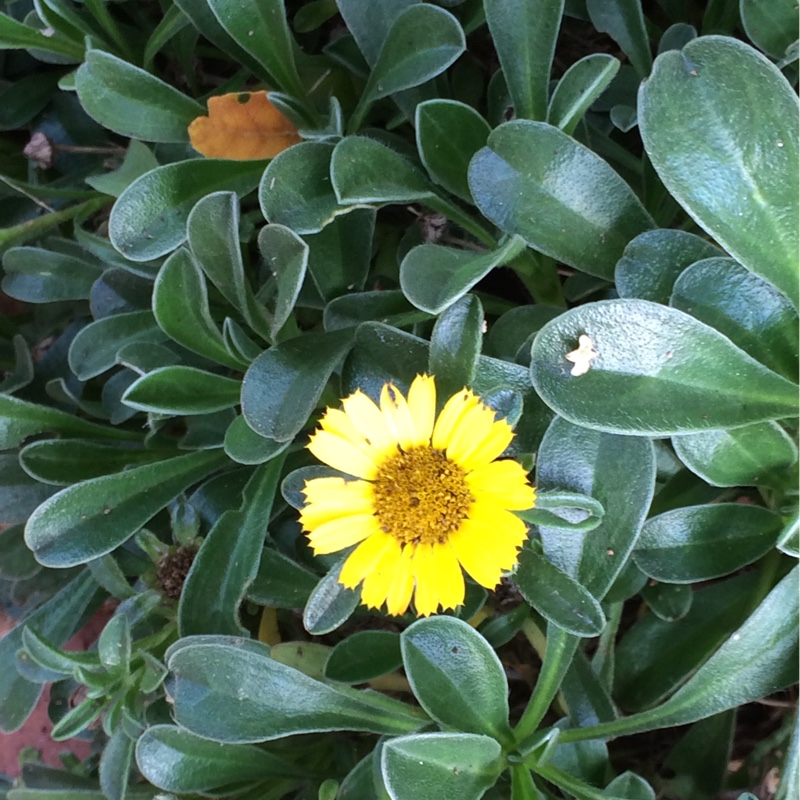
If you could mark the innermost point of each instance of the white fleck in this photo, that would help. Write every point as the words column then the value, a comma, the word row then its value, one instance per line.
column 583, row 356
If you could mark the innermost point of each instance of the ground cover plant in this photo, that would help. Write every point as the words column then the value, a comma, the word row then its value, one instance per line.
column 417, row 383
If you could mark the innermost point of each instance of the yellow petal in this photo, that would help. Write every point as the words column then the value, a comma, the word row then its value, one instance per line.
column 449, row 577
column 489, row 447
column 426, row 597
column 337, row 534
column 401, row 586
column 328, row 498
column 469, row 432
column 422, row 405
column 366, row 557
column 368, row 420
column 376, row 583
column 342, row 454
column 458, row 405
column 340, row 424
column 398, row 416
column 483, row 554
column 501, row 522
column 503, row 483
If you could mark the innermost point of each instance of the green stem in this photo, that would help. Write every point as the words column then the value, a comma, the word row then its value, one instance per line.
column 558, row 654
column 40, row 225
column 465, row 221
column 577, row 788
column 603, row 661
column 540, row 276
column 100, row 12
column 522, row 785
column 357, row 117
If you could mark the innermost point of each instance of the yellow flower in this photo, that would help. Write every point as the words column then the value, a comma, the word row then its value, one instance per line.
column 430, row 497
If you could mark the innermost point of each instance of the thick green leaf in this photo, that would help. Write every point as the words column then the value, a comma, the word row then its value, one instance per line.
column 370, row 22
column 455, row 345
column 533, row 180
column 149, row 218
column 770, row 24
column 179, row 390
column 19, row 420
column 578, row 88
column 285, row 256
column 296, row 190
column 213, row 231
column 720, row 114
column 442, row 655
column 94, row 350
column 423, row 41
column 260, row 28
column 431, row 766
column 227, row 561
column 283, row 385
column 138, row 160
column 245, row 446
column 280, row 582
column 524, row 33
column 180, row 306
column 115, row 765
column 178, row 761
column 57, row 619
column 659, row 372
column 90, row 519
column 755, row 454
column 20, row 494
column 16, row 561
column 624, row 22
column 366, row 171
column 652, row 262
column 22, row 373
column 448, row 135
column 668, row 601
column 228, row 694
column 15, row 35
column 330, row 605
column 433, row 277
column 619, row 472
column 364, row 655
column 64, row 462
column 114, row 643
column 697, row 543
column 758, row 659
column 36, row 275
column 557, row 597
column 349, row 311
column 132, row 102
column 747, row 309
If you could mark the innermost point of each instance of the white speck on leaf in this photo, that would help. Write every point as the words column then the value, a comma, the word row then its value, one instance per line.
column 583, row 356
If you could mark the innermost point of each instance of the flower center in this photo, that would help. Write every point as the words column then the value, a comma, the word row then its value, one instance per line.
column 419, row 495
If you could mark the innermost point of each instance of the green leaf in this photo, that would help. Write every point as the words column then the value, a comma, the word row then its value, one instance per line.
column 433, row 277
column 78, row 719
column 90, row 519
column 747, row 309
column 114, row 643
column 284, row 384
column 36, row 275
column 19, row 420
column 448, row 135
column 16, row 561
column 178, row 761
column 132, row 102
column 698, row 543
column 370, row 22
column 64, row 462
column 533, row 180
column 260, row 28
column 742, row 119
column 330, row 604
column 228, row 694
column 557, row 597
column 213, row 231
column 149, row 218
column 349, row 311
column 524, row 33
column 115, row 765
column 659, row 372
column 624, row 22
column 57, row 620
column 455, row 345
column 227, row 561
column 22, row 373
column 245, row 446
column 760, row 658
column 364, row 655
column 578, row 88
column 770, row 24
column 442, row 657
column 180, row 306
column 94, row 350
column 652, row 262
column 285, row 256
column 631, row 786
column 280, row 582
column 668, row 601
column 296, row 190
column 20, row 494
column 180, row 390
column 430, row 766
column 365, row 171
column 755, row 454
column 15, row 35
column 617, row 471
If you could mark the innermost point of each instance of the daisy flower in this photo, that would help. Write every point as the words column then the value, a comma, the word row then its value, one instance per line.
column 428, row 498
